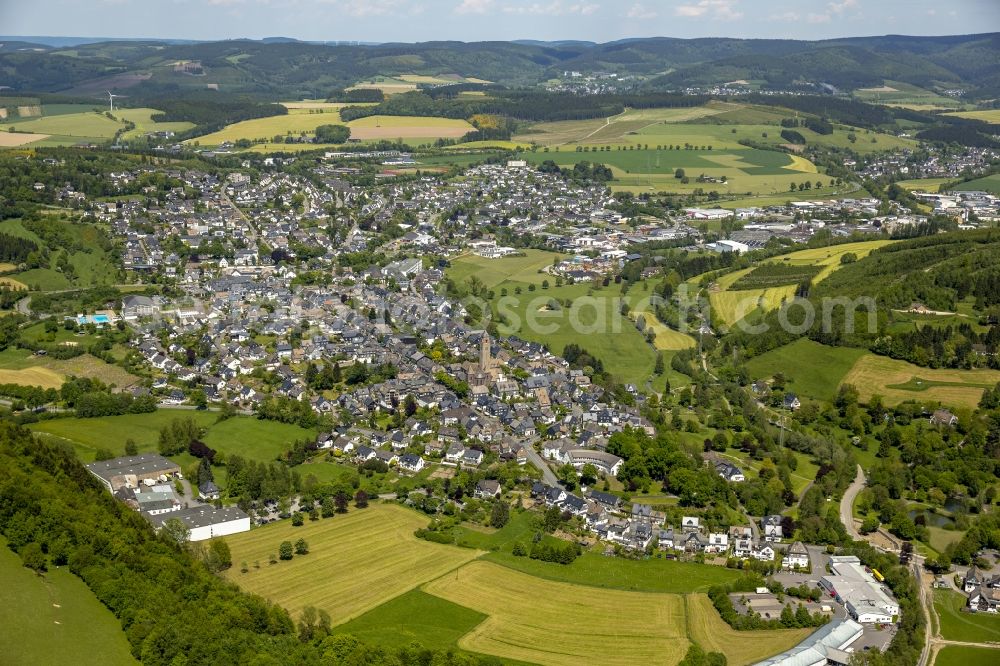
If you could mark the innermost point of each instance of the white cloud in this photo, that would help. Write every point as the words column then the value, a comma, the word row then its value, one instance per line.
column 839, row 7
column 555, row 8
column 818, row 18
column 833, row 10
column 788, row 17
column 474, row 7
column 640, row 11
column 720, row 9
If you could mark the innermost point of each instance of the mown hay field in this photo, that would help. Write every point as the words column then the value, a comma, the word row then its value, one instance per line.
column 897, row 381
column 556, row 624
column 707, row 628
column 356, row 561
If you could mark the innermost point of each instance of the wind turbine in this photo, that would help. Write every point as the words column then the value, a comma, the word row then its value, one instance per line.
column 111, row 100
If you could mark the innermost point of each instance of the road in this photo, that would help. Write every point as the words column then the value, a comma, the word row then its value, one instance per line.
column 547, row 475
column 847, row 504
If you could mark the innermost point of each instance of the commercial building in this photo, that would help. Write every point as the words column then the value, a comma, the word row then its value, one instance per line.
column 826, row 646
column 865, row 599
column 207, row 522
column 130, row 471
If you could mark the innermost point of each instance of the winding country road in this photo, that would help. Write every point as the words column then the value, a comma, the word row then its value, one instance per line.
column 847, row 504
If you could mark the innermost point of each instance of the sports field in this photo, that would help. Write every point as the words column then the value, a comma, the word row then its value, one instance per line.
column 897, row 381
column 552, row 623
column 356, row 561
column 812, row 370
column 47, row 618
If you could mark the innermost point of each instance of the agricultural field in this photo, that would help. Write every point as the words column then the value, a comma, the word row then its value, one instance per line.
column 414, row 617
column 144, row 123
column 299, row 121
column 356, row 561
column 985, row 184
column 42, row 377
column 812, row 370
column 67, row 129
column 991, row 116
column 923, row 184
column 47, row 617
column 897, row 93
column 897, row 381
column 408, row 128
column 731, row 305
column 965, row 655
column 706, row 628
column 20, row 366
column 243, row 435
column 528, row 619
column 958, row 625
column 593, row 569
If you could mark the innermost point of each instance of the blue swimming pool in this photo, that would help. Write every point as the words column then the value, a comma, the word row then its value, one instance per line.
column 93, row 319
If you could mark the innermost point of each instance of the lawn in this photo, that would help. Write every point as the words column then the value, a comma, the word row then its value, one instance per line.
column 813, row 370
column 964, row 655
column 613, row 573
column 553, row 623
column 897, row 381
column 958, row 625
column 413, row 617
column 356, row 561
column 47, row 618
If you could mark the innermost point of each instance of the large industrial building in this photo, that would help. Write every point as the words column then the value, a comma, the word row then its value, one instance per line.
column 827, row 646
column 866, row 599
column 130, row 471
column 207, row 522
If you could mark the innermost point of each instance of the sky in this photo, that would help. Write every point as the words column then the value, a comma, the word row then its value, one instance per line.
column 478, row 20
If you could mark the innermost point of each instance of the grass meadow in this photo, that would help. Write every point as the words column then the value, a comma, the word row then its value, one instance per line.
column 985, row 184
column 812, row 370
column 965, row 655
column 958, row 625
column 991, row 116
column 552, row 623
column 897, row 381
column 356, row 561
column 49, row 617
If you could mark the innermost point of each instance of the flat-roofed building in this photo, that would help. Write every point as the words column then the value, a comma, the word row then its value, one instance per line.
column 207, row 522
column 130, row 471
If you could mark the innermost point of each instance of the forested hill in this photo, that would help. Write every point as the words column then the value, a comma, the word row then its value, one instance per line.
column 172, row 609
column 955, row 274
column 291, row 68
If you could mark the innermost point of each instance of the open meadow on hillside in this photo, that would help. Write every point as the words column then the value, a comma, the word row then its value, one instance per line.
column 811, row 370
column 46, row 618
column 492, row 272
column 144, row 123
column 407, row 128
column 552, row 623
column 298, row 121
column 986, row 184
column 991, row 116
column 356, row 561
column 923, row 184
column 68, row 128
column 897, row 381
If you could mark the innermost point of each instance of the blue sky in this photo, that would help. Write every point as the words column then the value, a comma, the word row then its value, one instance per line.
column 475, row 20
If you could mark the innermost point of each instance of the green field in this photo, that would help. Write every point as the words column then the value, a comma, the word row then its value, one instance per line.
column 923, row 184
column 356, row 561
column 47, row 618
column 614, row 573
column 964, row 655
column 298, row 121
column 991, row 116
column 897, row 93
column 555, row 623
column 144, row 122
column 812, row 370
column 413, row 617
column 91, row 264
column 68, row 128
column 494, row 272
column 985, row 184
column 242, row 435
column 957, row 625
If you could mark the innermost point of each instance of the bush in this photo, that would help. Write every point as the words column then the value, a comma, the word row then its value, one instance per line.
column 285, row 550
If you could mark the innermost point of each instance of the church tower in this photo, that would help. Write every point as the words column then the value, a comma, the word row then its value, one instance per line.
column 485, row 361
